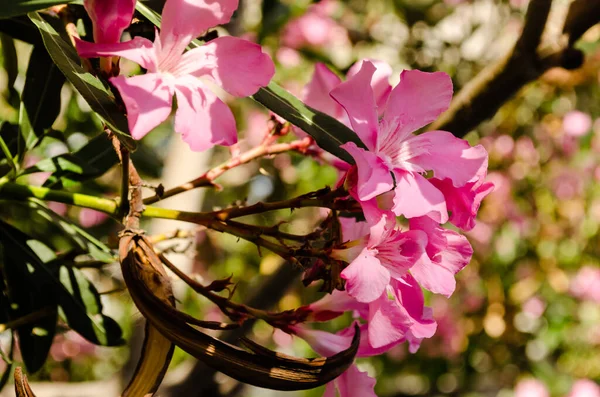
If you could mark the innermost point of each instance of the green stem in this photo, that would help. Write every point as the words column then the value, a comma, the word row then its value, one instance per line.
column 8, row 155
column 108, row 206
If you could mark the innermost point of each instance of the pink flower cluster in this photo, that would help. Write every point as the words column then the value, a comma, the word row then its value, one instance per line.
column 427, row 179
column 238, row 66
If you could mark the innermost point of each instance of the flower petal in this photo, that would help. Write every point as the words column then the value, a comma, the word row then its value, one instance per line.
column 109, row 18
column 416, row 196
column 354, row 383
column 365, row 278
column 449, row 252
column 184, row 20
column 356, row 97
column 237, row 65
column 148, row 101
column 463, row 202
column 138, row 50
column 374, row 177
column 411, row 297
column 418, row 99
column 388, row 321
column 450, row 157
column 316, row 93
column 380, row 82
column 202, row 119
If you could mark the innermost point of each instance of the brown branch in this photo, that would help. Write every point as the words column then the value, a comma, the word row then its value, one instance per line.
column 481, row 98
column 207, row 179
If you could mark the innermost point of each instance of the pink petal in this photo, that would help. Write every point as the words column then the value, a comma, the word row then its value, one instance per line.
column 334, row 304
column 388, row 321
column 416, row 196
column 330, row 390
column 316, row 93
column 109, row 18
column 402, row 250
column 463, row 202
column 237, row 65
column 449, row 252
column 450, row 157
column 202, row 119
column 380, row 82
column 418, row 99
column 356, row 97
column 148, row 101
column 184, row 20
column 374, row 176
column 365, row 278
column 353, row 383
column 138, row 50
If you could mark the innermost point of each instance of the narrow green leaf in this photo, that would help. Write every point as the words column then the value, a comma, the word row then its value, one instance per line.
column 11, row 8
column 29, row 291
column 100, row 99
column 79, row 301
column 11, row 66
column 91, row 323
column 41, row 93
column 21, row 28
column 329, row 133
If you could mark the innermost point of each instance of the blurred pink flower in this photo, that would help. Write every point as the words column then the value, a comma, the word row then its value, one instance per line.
column 534, row 306
column 576, row 123
column 585, row 284
column 90, row 218
column 531, row 388
column 585, row 388
column 315, row 28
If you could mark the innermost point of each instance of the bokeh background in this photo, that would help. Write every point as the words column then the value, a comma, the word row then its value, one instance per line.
column 525, row 317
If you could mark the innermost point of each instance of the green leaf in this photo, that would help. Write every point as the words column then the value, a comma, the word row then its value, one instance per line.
column 29, row 291
column 82, row 309
column 11, row 66
column 91, row 161
column 11, row 8
column 329, row 133
column 87, row 243
column 79, row 301
column 100, row 99
column 41, row 94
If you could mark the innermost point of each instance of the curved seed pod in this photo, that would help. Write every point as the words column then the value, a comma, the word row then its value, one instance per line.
column 143, row 274
column 22, row 388
column 157, row 352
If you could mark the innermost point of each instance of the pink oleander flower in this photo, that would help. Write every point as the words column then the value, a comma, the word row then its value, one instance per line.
column 353, row 382
column 576, row 123
column 375, row 259
column 397, row 315
column 315, row 28
column 585, row 284
column 585, row 388
column 392, row 148
column 238, row 66
column 448, row 252
column 109, row 18
column 531, row 388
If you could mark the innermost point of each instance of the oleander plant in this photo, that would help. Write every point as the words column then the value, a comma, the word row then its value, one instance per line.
column 329, row 198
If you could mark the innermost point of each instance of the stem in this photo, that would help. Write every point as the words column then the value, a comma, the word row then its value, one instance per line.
column 18, row 191
column 8, row 154
column 207, row 179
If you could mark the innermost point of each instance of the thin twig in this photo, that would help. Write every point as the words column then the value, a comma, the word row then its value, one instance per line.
column 208, row 178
